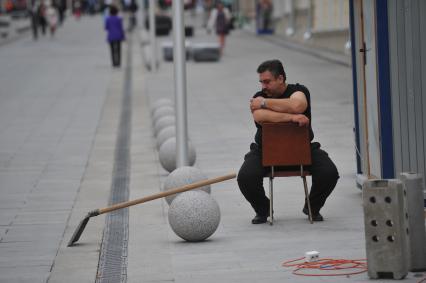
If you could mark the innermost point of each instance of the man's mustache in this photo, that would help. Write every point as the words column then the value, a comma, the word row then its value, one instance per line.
column 266, row 92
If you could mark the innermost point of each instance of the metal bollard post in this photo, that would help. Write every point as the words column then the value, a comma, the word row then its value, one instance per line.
column 416, row 222
column 386, row 229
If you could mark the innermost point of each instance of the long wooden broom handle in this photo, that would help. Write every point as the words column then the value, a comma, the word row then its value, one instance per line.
column 166, row 193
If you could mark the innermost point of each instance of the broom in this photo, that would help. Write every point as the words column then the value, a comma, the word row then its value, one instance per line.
column 80, row 228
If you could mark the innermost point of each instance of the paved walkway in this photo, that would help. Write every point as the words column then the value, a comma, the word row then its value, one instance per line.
column 52, row 95
column 60, row 110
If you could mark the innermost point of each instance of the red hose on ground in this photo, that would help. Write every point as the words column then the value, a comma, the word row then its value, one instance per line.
column 327, row 266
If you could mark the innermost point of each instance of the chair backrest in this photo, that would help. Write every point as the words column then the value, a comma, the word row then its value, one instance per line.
column 285, row 144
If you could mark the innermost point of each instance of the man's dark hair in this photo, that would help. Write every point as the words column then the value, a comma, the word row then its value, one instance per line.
column 274, row 66
column 113, row 10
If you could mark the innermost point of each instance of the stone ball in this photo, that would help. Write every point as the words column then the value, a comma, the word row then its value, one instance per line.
column 164, row 134
column 167, row 154
column 182, row 176
column 194, row 216
column 162, row 111
column 162, row 123
column 161, row 102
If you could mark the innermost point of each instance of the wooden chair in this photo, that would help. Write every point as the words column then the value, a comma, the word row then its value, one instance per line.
column 286, row 144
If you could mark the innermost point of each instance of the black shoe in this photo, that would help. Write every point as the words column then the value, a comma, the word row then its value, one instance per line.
column 315, row 216
column 259, row 219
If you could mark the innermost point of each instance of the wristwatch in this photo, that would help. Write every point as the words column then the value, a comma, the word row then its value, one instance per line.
column 263, row 104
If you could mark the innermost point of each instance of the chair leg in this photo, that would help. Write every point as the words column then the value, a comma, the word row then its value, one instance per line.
column 305, row 185
column 271, row 200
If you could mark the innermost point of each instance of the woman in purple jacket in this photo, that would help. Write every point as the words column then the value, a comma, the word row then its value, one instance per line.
column 114, row 27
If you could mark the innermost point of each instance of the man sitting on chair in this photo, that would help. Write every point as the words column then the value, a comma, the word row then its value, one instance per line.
column 282, row 102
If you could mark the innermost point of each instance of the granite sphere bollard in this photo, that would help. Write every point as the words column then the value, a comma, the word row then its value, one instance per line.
column 162, row 111
column 163, row 122
column 194, row 216
column 182, row 176
column 161, row 102
column 167, row 154
column 164, row 134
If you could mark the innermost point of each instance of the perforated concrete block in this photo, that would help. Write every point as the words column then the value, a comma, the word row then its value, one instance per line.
column 416, row 221
column 184, row 176
column 386, row 228
column 167, row 154
column 194, row 216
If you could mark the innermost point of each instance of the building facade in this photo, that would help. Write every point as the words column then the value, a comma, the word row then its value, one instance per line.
column 389, row 73
column 321, row 23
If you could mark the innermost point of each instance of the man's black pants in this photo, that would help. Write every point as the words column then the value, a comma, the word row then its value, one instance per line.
column 250, row 179
column 115, row 52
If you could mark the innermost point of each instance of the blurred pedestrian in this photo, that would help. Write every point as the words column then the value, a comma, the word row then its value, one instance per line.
column 114, row 27
column 61, row 5
column 8, row 6
column 132, row 8
column 33, row 11
column 265, row 9
column 41, row 15
column 207, row 6
column 77, row 9
column 52, row 18
column 219, row 20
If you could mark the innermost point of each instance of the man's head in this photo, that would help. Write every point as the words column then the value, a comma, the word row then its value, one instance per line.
column 272, row 77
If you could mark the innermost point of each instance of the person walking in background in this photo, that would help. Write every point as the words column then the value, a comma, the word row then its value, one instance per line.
column 265, row 9
column 51, row 17
column 132, row 14
column 114, row 28
column 61, row 5
column 219, row 19
column 207, row 7
column 77, row 9
column 41, row 15
column 33, row 11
